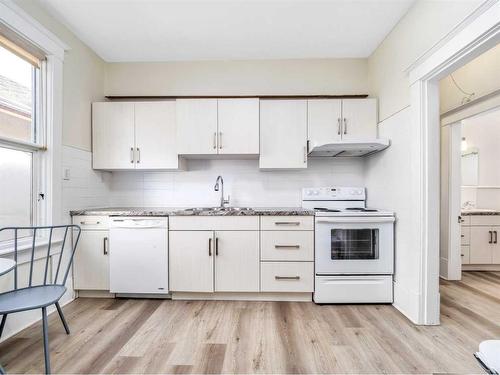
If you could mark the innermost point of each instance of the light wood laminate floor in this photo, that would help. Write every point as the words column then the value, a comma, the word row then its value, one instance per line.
column 159, row 336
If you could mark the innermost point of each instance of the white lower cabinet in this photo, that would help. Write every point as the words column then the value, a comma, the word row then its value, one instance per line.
column 237, row 261
column 214, row 261
column 479, row 240
column 191, row 263
column 91, row 262
column 287, row 276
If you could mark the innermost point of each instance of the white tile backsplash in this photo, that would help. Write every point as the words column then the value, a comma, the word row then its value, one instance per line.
column 243, row 180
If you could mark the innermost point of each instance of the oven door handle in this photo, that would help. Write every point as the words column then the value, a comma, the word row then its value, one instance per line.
column 355, row 220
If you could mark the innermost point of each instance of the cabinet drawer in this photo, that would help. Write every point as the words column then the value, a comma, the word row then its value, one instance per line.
column 287, row 223
column 286, row 276
column 465, row 254
column 92, row 222
column 214, row 223
column 465, row 220
column 287, row 245
column 465, row 236
column 485, row 220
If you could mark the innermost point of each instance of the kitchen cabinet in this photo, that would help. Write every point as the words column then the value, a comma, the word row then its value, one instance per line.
column 283, row 134
column 218, row 126
column 113, row 139
column 237, row 261
column 191, row 261
column 336, row 120
column 238, row 126
column 197, row 126
column 91, row 263
column 128, row 135
column 481, row 246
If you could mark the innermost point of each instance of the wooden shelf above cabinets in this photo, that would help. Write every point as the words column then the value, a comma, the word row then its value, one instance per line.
column 274, row 97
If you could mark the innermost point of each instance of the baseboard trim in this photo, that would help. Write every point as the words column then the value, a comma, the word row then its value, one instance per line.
column 291, row 297
column 480, row 267
column 95, row 294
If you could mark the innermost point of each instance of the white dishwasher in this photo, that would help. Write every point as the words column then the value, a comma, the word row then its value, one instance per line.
column 138, row 255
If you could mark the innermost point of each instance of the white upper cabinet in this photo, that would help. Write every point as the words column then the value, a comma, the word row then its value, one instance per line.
column 238, row 126
column 197, row 126
column 324, row 119
column 155, row 145
column 283, row 134
column 359, row 119
column 113, row 143
column 337, row 120
column 134, row 135
column 218, row 126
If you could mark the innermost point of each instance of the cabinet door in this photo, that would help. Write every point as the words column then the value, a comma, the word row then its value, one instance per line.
column 113, row 135
column 238, row 126
column 324, row 121
column 359, row 119
column 91, row 263
column 191, row 261
column 480, row 246
column 197, row 126
column 155, row 135
column 283, row 134
column 495, row 251
column 237, row 261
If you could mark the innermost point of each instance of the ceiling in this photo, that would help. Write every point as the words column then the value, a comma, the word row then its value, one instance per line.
column 180, row 30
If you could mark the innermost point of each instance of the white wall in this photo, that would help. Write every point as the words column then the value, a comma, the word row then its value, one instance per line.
column 256, row 77
column 480, row 76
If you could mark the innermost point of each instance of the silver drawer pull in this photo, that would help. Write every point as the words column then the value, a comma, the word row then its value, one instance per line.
column 287, row 277
column 87, row 223
column 287, row 222
column 287, row 246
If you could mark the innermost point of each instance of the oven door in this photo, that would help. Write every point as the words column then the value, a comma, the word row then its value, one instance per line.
column 354, row 245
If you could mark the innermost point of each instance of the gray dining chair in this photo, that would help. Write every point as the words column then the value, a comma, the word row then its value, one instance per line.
column 48, row 291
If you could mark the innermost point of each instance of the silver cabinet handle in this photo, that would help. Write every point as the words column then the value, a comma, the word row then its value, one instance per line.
column 305, row 154
column 217, row 246
column 138, row 155
column 132, row 155
column 462, row 235
column 215, row 140
column 87, row 223
column 345, row 125
column 287, row 222
column 220, row 140
column 491, row 236
column 496, row 237
column 339, row 124
column 210, row 247
column 105, row 245
column 287, row 277
column 287, row 246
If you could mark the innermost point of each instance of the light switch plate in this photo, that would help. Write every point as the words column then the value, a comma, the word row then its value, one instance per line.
column 66, row 174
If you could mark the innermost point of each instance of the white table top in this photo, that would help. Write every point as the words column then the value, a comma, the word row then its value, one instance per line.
column 6, row 265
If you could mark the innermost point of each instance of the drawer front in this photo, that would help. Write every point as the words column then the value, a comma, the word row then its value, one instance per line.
column 465, row 254
column 485, row 220
column 92, row 222
column 287, row 245
column 214, row 223
column 465, row 220
column 465, row 236
column 287, row 276
column 287, row 223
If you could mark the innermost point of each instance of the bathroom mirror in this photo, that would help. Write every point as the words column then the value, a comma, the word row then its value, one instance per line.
column 470, row 167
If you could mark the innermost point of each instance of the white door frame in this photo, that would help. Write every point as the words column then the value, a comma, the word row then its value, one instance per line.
column 479, row 32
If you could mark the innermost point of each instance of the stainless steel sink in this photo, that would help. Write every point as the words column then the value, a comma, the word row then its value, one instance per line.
column 197, row 210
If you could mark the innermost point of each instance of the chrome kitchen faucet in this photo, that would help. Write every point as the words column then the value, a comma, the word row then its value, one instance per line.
column 223, row 201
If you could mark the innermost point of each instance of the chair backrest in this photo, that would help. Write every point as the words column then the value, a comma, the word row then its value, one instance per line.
column 43, row 244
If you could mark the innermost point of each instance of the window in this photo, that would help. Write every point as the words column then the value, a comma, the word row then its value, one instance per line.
column 20, row 134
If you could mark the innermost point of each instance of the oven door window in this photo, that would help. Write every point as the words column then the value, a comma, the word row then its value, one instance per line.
column 350, row 244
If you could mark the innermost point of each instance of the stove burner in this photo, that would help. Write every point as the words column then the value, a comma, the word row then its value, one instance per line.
column 360, row 209
column 323, row 209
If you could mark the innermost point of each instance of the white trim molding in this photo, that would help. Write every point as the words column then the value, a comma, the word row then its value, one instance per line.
column 480, row 32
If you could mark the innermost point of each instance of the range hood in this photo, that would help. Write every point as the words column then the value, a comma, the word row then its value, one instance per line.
column 350, row 148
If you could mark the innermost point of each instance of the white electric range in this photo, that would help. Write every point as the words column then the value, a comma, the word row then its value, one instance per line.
column 354, row 246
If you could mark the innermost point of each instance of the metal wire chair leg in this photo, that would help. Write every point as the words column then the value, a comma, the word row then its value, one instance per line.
column 61, row 315
column 46, row 348
column 2, row 371
column 2, row 324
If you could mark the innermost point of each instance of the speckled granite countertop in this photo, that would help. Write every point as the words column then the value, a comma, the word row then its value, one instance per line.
column 482, row 212
column 196, row 211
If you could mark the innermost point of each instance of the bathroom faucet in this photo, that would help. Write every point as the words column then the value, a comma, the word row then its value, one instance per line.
column 223, row 201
